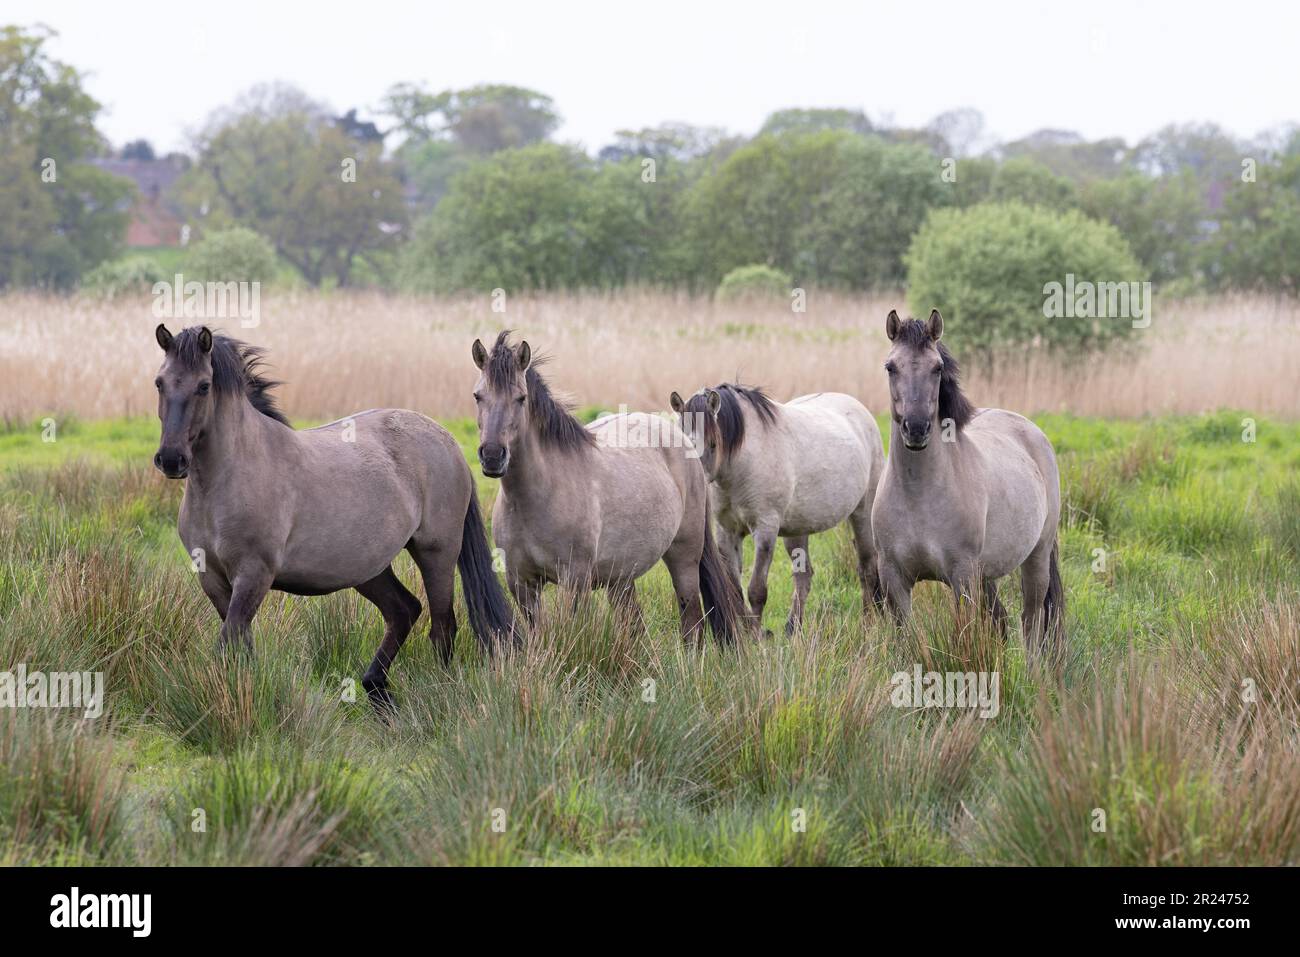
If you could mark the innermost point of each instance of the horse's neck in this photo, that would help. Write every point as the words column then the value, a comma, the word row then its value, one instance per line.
column 933, row 467
column 533, row 474
column 239, row 438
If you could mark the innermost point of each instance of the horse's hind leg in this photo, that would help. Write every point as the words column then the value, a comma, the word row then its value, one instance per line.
column 684, row 569
column 438, row 571
column 400, row 610
column 873, row 594
column 801, row 562
column 1035, row 579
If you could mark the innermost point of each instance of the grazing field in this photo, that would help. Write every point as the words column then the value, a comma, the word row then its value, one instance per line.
column 1175, row 717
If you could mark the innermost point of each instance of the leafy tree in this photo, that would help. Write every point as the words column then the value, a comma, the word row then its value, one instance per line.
column 1159, row 217
column 830, row 207
column 1068, row 154
column 277, row 165
column 521, row 219
column 62, row 215
column 232, row 255
column 987, row 269
column 1028, row 181
column 816, row 121
column 754, row 282
column 481, row 119
column 1256, row 244
column 138, row 150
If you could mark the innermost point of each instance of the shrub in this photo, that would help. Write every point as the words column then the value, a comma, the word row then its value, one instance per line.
column 232, row 255
column 133, row 274
column 754, row 282
column 987, row 269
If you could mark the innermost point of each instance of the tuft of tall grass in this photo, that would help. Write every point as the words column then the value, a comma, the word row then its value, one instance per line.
column 60, row 791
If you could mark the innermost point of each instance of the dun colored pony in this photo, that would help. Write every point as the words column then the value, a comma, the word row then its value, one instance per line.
column 787, row 470
column 312, row 512
column 597, row 506
column 975, row 504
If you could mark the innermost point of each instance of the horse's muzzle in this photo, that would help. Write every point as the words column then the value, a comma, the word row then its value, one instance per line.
column 494, row 459
column 915, row 435
column 171, row 463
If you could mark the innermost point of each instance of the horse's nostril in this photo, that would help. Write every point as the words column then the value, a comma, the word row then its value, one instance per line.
column 157, row 460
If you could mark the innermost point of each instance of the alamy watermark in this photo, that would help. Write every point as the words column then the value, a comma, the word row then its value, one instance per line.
column 21, row 688
column 948, row 689
column 1083, row 299
column 208, row 300
column 647, row 431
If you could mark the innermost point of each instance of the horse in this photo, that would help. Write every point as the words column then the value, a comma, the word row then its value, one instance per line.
column 596, row 506
column 316, row 511
column 790, row 470
column 965, row 510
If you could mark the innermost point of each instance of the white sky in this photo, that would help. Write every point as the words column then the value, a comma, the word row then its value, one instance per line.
column 1102, row 68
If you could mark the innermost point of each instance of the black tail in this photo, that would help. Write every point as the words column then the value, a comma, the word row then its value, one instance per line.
column 1054, row 605
column 489, row 610
column 723, row 603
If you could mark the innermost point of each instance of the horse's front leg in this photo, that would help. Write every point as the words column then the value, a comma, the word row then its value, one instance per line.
column 248, row 589
column 527, row 593
column 764, row 546
column 898, row 593
column 731, row 546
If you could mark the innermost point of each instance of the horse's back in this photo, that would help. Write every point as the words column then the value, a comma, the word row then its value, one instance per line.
column 833, row 454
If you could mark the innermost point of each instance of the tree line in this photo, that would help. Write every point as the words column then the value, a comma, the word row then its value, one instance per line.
column 469, row 190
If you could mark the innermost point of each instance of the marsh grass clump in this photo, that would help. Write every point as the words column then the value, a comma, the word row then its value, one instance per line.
column 61, row 795
column 267, row 805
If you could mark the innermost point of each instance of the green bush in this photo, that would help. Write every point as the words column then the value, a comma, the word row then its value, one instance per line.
column 232, row 255
column 123, row 276
column 988, row 269
column 755, row 282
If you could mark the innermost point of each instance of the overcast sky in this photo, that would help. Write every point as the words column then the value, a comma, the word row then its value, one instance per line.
column 1101, row 68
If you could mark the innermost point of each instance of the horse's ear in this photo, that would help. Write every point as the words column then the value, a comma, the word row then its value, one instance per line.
column 163, row 336
column 891, row 324
column 715, row 401
column 676, row 402
column 525, row 356
column 935, row 325
column 205, row 340
column 479, row 353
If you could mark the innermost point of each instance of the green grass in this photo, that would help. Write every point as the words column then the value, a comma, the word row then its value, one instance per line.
column 1176, row 713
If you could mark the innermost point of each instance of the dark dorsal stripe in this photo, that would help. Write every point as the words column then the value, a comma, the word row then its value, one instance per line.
column 552, row 420
column 728, row 431
column 236, row 368
column 953, row 403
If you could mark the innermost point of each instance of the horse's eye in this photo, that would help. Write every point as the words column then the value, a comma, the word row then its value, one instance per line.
column 204, row 388
column 520, row 400
column 938, row 369
column 890, row 368
column 157, row 384
column 477, row 397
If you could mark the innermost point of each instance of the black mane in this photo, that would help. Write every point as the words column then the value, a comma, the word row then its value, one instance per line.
column 953, row 403
column 729, row 429
column 236, row 368
column 552, row 419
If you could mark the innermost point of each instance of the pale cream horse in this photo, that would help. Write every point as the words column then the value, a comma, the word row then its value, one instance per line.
column 969, row 494
column 789, row 470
